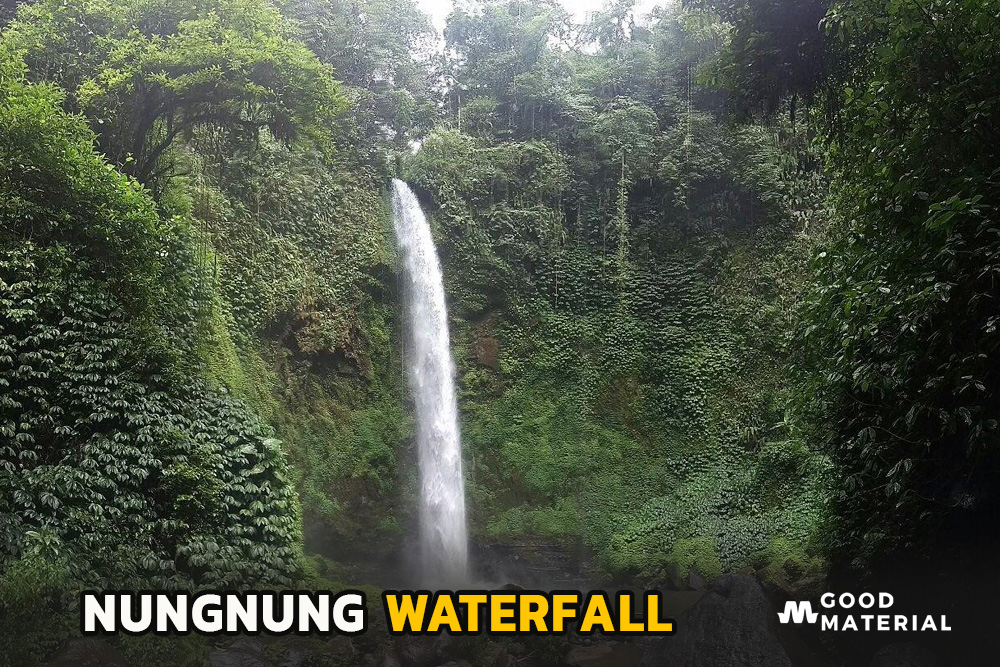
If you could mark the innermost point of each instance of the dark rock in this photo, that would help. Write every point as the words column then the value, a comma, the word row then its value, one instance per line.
column 414, row 654
column 605, row 654
column 584, row 654
column 339, row 646
column 500, row 658
column 293, row 658
column 670, row 579
column 534, row 565
column 487, row 350
column 517, row 649
column 733, row 625
column 391, row 660
column 810, row 586
column 423, row 651
column 441, row 646
column 904, row 655
column 88, row 653
column 695, row 581
column 241, row 653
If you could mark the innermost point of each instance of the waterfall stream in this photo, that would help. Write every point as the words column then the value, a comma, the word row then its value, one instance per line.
column 444, row 542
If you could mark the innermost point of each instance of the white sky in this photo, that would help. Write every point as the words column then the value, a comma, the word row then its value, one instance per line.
column 439, row 9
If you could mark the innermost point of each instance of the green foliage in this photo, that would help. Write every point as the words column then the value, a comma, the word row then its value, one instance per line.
column 34, row 591
column 166, row 651
column 382, row 50
column 108, row 441
column 301, row 254
column 788, row 565
column 146, row 73
column 53, row 190
column 276, row 289
column 299, row 247
column 899, row 328
column 269, row 265
column 698, row 553
column 776, row 52
column 623, row 271
column 156, row 480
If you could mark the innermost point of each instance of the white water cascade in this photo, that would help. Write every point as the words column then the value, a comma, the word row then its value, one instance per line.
column 444, row 541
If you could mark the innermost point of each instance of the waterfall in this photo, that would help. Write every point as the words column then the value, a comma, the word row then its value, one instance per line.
column 444, row 542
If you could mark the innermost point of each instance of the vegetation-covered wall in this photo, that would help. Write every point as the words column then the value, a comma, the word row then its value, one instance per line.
column 721, row 284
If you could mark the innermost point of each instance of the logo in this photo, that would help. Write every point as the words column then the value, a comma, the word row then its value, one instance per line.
column 867, row 612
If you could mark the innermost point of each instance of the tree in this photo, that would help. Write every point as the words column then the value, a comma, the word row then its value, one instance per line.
column 113, row 452
column 902, row 324
column 777, row 52
column 146, row 73
column 383, row 50
column 8, row 8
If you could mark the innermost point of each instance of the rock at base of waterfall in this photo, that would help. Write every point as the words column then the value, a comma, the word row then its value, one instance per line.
column 422, row 651
column 696, row 582
column 241, row 653
column 904, row 655
column 88, row 652
column 733, row 625
column 605, row 654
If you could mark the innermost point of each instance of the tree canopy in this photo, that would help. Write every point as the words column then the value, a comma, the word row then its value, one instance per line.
column 721, row 280
column 145, row 73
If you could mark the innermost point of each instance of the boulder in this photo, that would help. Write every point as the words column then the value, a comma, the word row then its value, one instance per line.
column 499, row 657
column 695, row 581
column 423, row 651
column 241, row 653
column 733, row 625
column 293, row 658
column 339, row 646
column 88, row 652
column 582, row 655
column 670, row 578
column 605, row 654
column 904, row 654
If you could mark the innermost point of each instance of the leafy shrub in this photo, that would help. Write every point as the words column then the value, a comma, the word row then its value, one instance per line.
column 166, row 651
column 899, row 328
column 699, row 553
column 34, row 591
column 108, row 439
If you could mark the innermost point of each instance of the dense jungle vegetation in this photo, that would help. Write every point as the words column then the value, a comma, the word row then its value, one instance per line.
column 722, row 283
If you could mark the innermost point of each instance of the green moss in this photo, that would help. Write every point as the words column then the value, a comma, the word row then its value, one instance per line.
column 791, row 565
column 34, row 592
column 699, row 553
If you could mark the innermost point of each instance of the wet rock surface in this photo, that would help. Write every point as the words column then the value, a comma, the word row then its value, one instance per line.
column 533, row 565
column 904, row 655
column 733, row 625
column 241, row 653
column 88, row 653
column 606, row 654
